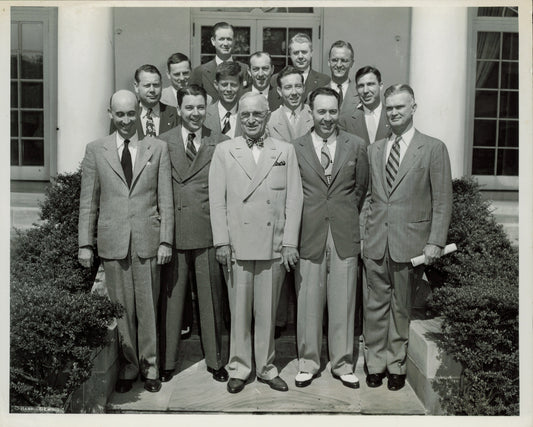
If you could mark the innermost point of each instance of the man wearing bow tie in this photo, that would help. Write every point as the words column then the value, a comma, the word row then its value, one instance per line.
column 255, row 196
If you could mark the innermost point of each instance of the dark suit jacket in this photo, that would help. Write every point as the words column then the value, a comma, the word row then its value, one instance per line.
column 314, row 80
column 204, row 75
column 272, row 96
column 337, row 205
column 169, row 118
column 355, row 123
column 418, row 210
column 350, row 102
column 212, row 120
column 190, row 188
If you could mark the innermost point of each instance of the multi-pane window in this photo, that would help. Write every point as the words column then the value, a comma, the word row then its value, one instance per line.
column 276, row 42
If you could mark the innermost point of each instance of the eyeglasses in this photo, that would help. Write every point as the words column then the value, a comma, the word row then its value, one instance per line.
column 245, row 115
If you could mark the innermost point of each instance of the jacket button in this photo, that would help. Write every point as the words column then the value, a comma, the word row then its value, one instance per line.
column 268, row 202
column 326, row 218
column 386, row 224
column 268, row 223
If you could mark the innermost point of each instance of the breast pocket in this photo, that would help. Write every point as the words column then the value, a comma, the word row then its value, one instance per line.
column 278, row 177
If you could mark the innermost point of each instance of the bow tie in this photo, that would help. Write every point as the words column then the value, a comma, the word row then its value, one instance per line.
column 258, row 141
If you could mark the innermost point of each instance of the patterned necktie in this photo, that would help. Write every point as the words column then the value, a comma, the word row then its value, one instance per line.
column 258, row 141
column 393, row 163
column 227, row 125
column 191, row 149
column 150, row 125
column 340, row 94
column 125, row 161
column 325, row 161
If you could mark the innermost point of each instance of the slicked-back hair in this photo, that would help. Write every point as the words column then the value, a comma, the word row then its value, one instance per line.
column 367, row 69
column 258, row 54
column 193, row 90
column 322, row 91
column 219, row 25
column 341, row 43
column 300, row 38
column 399, row 88
column 176, row 58
column 229, row 68
column 147, row 68
column 286, row 71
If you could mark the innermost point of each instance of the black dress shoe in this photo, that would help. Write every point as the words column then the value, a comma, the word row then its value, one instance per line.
column 235, row 385
column 220, row 375
column 151, row 385
column 123, row 386
column 278, row 331
column 395, row 382
column 275, row 383
column 166, row 375
column 374, row 380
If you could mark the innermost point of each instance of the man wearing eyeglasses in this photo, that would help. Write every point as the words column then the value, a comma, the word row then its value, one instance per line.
column 255, row 199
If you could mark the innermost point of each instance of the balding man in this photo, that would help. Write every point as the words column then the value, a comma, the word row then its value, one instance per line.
column 126, row 195
column 255, row 196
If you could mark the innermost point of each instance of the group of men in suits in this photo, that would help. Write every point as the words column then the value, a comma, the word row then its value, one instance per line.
column 245, row 183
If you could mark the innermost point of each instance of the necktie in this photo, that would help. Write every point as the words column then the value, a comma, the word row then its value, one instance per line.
column 258, row 141
column 150, row 126
column 325, row 161
column 125, row 161
column 227, row 125
column 393, row 163
column 340, row 94
column 293, row 119
column 191, row 149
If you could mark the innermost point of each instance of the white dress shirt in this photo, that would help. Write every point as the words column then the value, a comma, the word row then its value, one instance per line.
column 219, row 61
column 318, row 142
column 372, row 120
column 256, row 152
column 197, row 141
column 407, row 136
column 344, row 87
column 134, row 142
column 289, row 113
column 263, row 92
column 156, row 117
column 232, row 119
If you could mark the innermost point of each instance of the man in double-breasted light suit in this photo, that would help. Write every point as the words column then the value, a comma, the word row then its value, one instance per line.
column 255, row 196
column 126, row 193
column 409, row 213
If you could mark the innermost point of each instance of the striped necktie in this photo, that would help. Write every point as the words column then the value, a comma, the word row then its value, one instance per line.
column 227, row 125
column 393, row 163
column 325, row 160
column 191, row 149
column 339, row 86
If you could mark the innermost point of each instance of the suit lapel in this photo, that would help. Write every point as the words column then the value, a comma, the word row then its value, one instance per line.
column 243, row 155
column 268, row 157
column 204, row 154
column 209, row 75
column 140, row 131
column 111, row 155
column 309, row 154
column 144, row 153
column 412, row 153
column 383, row 126
column 178, row 158
column 167, row 117
column 380, row 160
column 359, row 116
column 340, row 155
column 212, row 119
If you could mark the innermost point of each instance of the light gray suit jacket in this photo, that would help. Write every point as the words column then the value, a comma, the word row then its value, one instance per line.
column 279, row 127
column 355, row 123
column 212, row 120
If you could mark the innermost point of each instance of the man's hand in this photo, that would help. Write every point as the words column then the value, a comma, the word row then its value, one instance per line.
column 223, row 256
column 289, row 257
column 164, row 253
column 86, row 256
column 432, row 253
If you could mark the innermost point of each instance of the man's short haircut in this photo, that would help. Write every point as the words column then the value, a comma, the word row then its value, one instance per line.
column 219, row 25
column 228, row 69
column 193, row 90
column 340, row 44
column 147, row 68
column 322, row 91
column 399, row 88
column 176, row 58
column 286, row 71
column 258, row 54
column 367, row 69
column 262, row 100
column 300, row 38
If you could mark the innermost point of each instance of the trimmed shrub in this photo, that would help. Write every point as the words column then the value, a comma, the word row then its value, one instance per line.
column 478, row 300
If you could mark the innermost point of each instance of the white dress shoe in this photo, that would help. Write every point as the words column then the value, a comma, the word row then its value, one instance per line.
column 348, row 380
column 303, row 379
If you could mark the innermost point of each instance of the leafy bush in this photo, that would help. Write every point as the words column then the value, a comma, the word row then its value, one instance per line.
column 55, row 322
column 478, row 300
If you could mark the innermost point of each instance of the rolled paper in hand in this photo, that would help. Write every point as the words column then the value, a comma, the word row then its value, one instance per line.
column 421, row 259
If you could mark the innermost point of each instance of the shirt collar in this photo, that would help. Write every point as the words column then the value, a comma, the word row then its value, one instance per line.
column 120, row 140
column 222, row 111
column 375, row 112
column 297, row 111
column 263, row 92
column 318, row 141
column 185, row 133
column 156, row 111
column 335, row 86
column 406, row 136
column 219, row 61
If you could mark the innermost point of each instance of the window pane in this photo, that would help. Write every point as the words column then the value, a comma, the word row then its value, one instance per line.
column 14, row 152
column 508, row 134
column 509, row 104
column 14, row 64
column 484, row 133
column 32, row 152
column 263, row 9
column 14, row 95
column 14, row 36
column 32, row 36
column 32, row 123
column 483, row 161
column 510, row 46
column 31, row 66
column 241, row 43
column 207, row 47
column 294, row 31
column 488, row 45
column 274, row 41
column 32, row 95
column 14, row 124
column 487, row 74
column 509, row 75
column 507, row 162
column 486, row 103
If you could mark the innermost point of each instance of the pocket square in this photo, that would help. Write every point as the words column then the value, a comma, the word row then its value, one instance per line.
column 280, row 163
column 351, row 163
